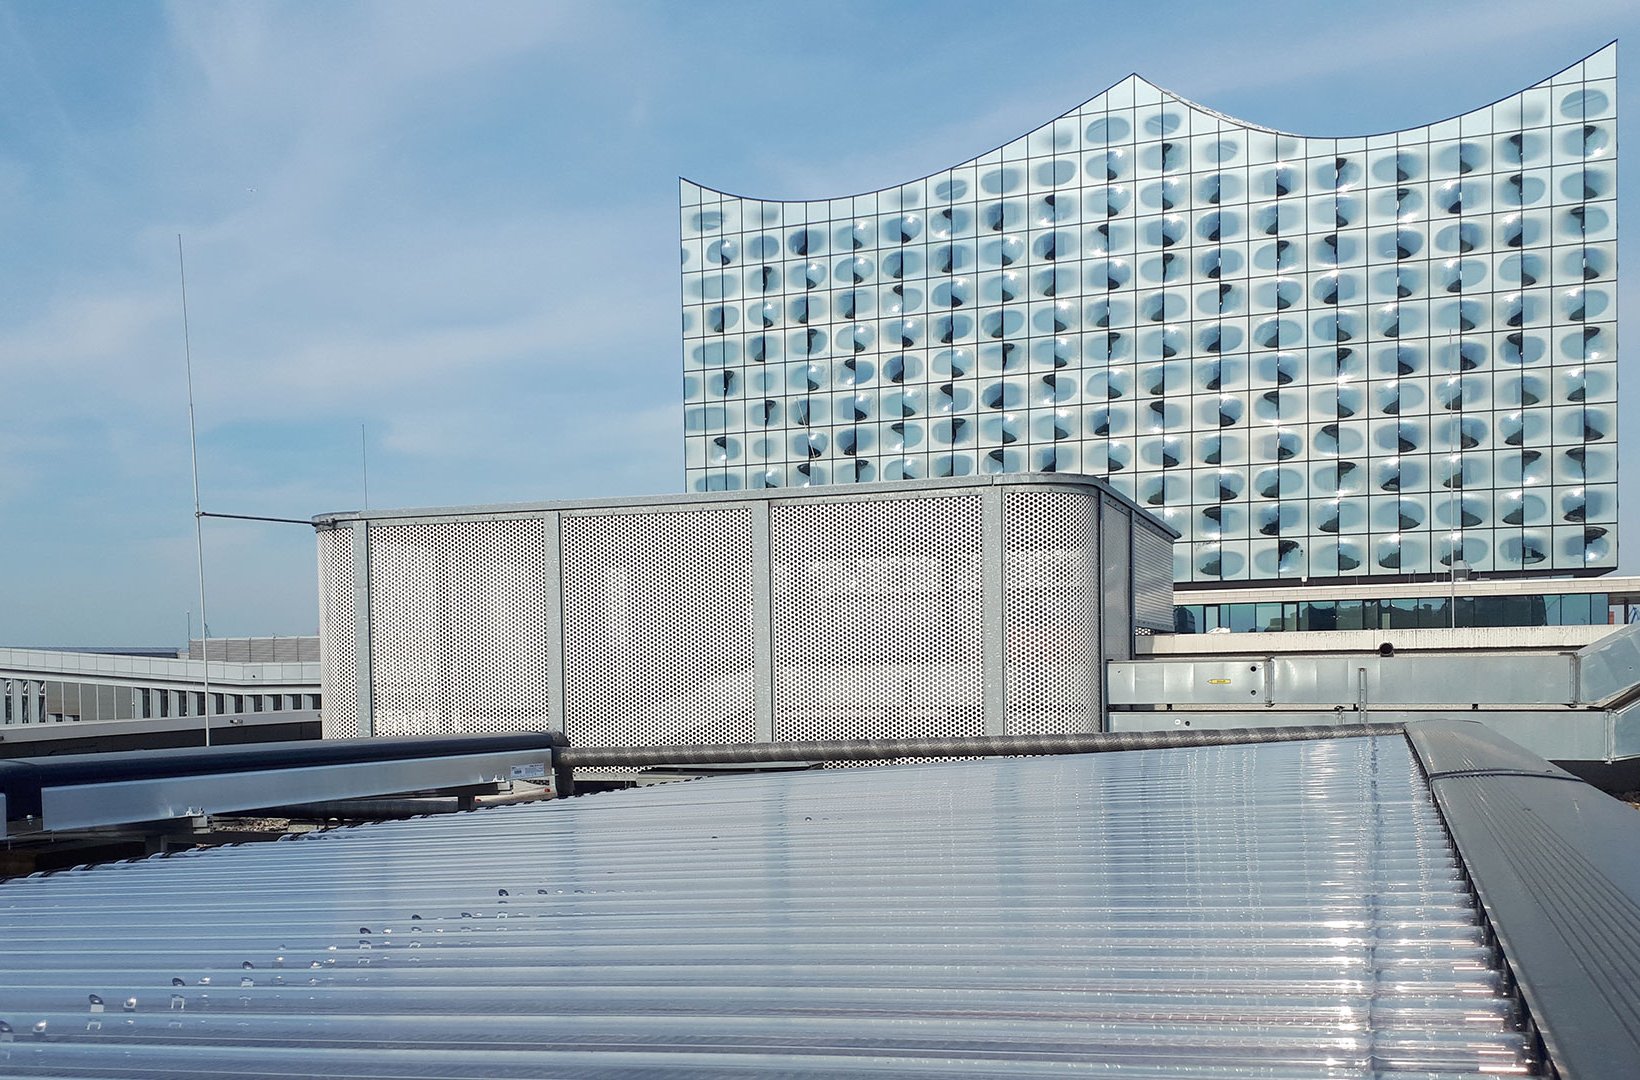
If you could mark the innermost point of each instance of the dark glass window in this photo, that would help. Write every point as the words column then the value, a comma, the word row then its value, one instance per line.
column 1402, row 615
column 1517, row 610
column 1569, row 609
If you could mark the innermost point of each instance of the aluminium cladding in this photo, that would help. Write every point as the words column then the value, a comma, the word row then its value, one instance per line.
column 962, row 606
column 1274, row 910
column 1315, row 357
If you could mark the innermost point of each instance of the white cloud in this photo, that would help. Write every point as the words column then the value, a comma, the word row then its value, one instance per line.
column 87, row 333
column 1382, row 47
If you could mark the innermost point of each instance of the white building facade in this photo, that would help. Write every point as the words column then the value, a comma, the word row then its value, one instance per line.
column 55, row 686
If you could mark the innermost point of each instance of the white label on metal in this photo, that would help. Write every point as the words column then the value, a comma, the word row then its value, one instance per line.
column 529, row 770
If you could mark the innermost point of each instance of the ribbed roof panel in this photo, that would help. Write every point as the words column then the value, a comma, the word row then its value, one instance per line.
column 1289, row 909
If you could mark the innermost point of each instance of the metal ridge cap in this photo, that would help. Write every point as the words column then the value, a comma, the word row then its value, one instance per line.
column 1555, row 868
column 1467, row 747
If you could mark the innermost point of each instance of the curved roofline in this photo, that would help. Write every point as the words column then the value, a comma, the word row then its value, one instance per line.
column 1167, row 94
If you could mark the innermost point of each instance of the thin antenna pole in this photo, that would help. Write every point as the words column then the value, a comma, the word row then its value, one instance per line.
column 364, row 465
column 199, row 536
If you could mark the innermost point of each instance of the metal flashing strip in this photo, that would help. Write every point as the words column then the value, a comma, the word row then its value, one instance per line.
column 197, row 779
column 1280, row 910
column 84, row 806
column 1556, row 867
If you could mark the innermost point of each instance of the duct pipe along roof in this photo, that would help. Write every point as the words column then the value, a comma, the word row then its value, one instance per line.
column 1276, row 910
column 82, row 790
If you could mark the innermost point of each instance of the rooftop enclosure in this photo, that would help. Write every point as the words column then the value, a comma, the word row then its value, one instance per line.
column 1280, row 910
column 962, row 607
column 1316, row 357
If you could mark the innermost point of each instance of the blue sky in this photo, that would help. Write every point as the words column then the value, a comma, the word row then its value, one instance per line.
column 455, row 225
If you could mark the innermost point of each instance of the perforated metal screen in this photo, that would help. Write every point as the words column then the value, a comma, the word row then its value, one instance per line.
column 457, row 627
column 338, row 648
column 658, row 628
column 878, row 614
column 1051, row 612
column 1152, row 577
column 1116, row 574
column 964, row 608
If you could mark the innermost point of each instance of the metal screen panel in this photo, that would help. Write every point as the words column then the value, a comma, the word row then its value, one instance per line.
column 1116, row 578
column 338, row 655
column 659, row 638
column 878, row 612
column 772, row 616
column 458, row 617
column 1050, row 612
column 1152, row 578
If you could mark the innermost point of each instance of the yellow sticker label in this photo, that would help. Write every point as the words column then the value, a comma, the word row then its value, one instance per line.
column 1219, row 682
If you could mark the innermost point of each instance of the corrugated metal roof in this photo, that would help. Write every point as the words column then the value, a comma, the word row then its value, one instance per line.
column 1287, row 909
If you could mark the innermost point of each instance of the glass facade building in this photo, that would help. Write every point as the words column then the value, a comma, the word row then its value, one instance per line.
column 1315, row 357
